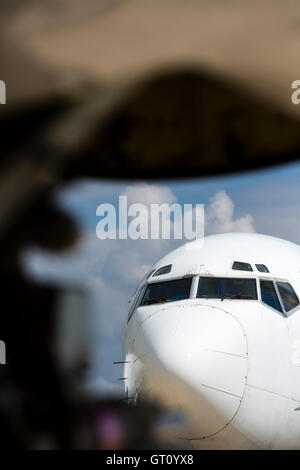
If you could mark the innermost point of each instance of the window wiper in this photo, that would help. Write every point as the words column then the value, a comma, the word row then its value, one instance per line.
column 236, row 296
column 155, row 301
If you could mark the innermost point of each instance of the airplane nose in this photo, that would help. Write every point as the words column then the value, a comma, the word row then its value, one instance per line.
column 193, row 357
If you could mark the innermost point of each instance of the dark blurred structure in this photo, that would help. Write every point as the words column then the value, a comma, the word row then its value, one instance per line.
column 178, row 120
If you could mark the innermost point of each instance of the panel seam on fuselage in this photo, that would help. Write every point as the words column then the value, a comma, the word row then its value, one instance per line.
column 273, row 393
column 227, row 353
column 221, row 390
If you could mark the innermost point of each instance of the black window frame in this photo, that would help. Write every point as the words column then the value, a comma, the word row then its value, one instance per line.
column 140, row 292
column 228, row 278
column 244, row 263
column 164, row 281
column 167, row 269
column 264, row 268
column 271, row 281
column 289, row 311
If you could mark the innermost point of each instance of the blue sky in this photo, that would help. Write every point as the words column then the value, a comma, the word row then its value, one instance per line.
column 255, row 192
column 266, row 201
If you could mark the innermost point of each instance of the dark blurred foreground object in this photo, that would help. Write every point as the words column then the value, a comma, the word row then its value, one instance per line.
column 43, row 400
column 182, row 123
column 167, row 122
column 185, row 123
column 176, row 123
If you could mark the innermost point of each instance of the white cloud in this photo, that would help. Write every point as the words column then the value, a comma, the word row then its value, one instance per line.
column 149, row 194
column 112, row 269
column 131, row 259
column 220, row 216
column 127, row 266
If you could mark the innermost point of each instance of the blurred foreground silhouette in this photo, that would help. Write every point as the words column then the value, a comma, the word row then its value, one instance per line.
column 131, row 113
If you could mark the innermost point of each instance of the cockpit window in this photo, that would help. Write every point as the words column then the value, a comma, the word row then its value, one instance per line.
column 136, row 300
column 239, row 266
column 167, row 291
column 288, row 296
column 227, row 288
column 262, row 268
column 163, row 270
column 269, row 295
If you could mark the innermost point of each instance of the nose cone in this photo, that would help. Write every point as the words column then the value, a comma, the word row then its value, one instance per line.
column 193, row 357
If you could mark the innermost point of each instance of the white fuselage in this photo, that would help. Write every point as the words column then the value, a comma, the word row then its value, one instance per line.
column 231, row 364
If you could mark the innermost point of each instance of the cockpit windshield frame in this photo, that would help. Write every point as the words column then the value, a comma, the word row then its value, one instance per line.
column 170, row 283
column 233, row 295
column 195, row 279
